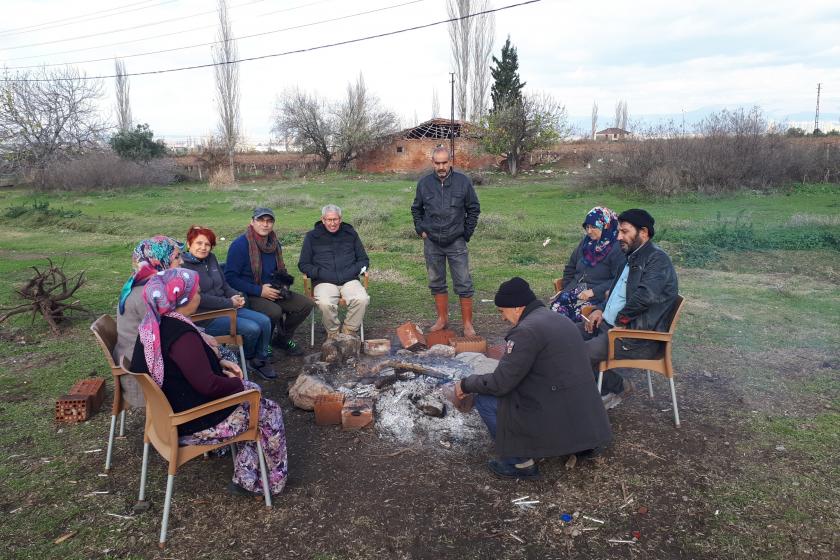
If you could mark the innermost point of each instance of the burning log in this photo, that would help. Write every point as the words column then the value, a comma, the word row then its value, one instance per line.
column 402, row 366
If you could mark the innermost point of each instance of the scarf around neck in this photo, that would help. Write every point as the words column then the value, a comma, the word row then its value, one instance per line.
column 259, row 245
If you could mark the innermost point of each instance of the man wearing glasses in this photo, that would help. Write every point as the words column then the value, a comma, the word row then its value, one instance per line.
column 333, row 257
column 254, row 263
column 445, row 213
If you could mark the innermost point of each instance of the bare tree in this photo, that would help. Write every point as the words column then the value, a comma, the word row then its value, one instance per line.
column 520, row 126
column 361, row 123
column 47, row 115
column 435, row 104
column 460, row 35
column 305, row 120
column 621, row 115
column 483, row 34
column 594, row 120
column 225, row 55
column 122, row 88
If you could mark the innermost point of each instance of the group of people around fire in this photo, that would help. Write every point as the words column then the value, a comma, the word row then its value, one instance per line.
column 541, row 401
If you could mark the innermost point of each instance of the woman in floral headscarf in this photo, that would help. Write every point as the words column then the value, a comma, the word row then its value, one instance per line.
column 149, row 257
column 172, row 351
column 593, row 265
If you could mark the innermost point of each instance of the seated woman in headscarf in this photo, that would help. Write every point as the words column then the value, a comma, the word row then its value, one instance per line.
column 172, row 351
column 216, row 293
column 150, row 256
column 593, row 265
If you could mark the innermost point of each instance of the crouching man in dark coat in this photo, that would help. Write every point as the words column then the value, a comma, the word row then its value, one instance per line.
column 541, row 401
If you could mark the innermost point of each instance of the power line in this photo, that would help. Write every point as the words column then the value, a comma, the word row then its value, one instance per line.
column 301, row 26
column 20, row 29
column 80, row 19
column 141, row 39
column 286, row 53
column 133, row 27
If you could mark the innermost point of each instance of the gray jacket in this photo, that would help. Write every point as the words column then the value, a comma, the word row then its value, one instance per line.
column 215, row 291
column 548, row 402
column 445, row 210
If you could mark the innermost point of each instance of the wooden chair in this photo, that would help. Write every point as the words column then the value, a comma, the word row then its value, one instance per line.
column 309, row 292
column 105, row 331
column 162, row 433
column 661, row 365
column 232, row 338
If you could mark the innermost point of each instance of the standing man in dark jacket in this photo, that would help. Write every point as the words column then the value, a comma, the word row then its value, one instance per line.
column 252, row 260
column 333, row 257
column 445, row 212
column 642, row 297
column 541, row 400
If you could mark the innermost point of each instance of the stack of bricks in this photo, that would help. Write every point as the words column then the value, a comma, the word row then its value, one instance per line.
column 357, row 413
column 469, row 344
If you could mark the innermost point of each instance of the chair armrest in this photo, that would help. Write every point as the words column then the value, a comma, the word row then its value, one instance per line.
column 366, row 279
column 229, row 312
column 558, row 285
column 307, row 286
column 251, row 396
column 618, row 332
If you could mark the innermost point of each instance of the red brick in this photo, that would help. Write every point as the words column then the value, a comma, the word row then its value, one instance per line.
column 328, row 409
column 442, row 336
column 411, row 337
column 92, row 386
column 469, row 344
column 357, row 413
column 73, row 408
column 377, row 346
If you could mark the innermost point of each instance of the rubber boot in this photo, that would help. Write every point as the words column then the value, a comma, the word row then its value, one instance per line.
column 467, row 315
column 442, row 307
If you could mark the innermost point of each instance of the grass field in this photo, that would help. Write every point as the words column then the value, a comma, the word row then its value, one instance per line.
column 752, row 474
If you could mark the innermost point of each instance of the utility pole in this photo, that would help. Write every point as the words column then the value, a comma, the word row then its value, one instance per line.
column 452, row 116
column 817, row 114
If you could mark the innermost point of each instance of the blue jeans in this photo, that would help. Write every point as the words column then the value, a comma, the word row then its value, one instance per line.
column 254, row 327
column 487, row 407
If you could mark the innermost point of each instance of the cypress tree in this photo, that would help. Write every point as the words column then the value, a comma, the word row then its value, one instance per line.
column 506, row 85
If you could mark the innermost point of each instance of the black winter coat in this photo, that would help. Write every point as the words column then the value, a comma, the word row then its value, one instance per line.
column 652, row 290
column 599, row 277
column 548, row 400
column 445, row 210
column 215, row 291
column 335, row 258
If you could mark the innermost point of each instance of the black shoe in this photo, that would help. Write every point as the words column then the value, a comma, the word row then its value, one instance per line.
column 264, row 370
column 505, row 470
column 237, row 490
column 590, row 453
column 290, row 347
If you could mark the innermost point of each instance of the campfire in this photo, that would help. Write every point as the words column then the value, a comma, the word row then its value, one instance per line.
column 398, row 393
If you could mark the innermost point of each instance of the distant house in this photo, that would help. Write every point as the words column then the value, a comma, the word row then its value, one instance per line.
column 410, row 150
column 612, row 134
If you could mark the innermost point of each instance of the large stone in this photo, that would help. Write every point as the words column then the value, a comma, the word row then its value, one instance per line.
column 340, row 348
column 429, row 405
column 479, row 363
column 306, row 389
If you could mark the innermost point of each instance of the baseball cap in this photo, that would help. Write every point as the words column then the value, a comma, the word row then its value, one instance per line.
column 260, row 211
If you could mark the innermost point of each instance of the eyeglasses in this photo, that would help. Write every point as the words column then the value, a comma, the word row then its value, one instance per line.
column 332, row 220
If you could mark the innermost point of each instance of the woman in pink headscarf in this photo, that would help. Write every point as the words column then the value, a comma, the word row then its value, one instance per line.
column 173, row 352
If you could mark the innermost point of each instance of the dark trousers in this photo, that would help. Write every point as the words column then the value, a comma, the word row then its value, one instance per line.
column 597, row 345
column 459, row 265
column 487, row 407
column 296, row 308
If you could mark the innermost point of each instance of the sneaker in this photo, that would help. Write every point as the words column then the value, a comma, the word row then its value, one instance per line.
column 506, row 470
column 291, row 348
column 264, row 370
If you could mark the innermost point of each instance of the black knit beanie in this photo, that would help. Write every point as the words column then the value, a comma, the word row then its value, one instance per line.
column 514, row 293
column 639, row 218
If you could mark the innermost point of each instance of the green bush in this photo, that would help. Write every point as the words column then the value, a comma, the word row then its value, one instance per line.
column 138, row 144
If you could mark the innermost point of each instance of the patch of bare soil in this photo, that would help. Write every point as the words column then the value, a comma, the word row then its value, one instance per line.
column 356, row 495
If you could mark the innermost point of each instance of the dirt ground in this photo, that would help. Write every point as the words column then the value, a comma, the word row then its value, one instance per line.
column 355, row 495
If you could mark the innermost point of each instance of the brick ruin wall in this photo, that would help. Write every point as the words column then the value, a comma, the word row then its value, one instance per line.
column 412, row 156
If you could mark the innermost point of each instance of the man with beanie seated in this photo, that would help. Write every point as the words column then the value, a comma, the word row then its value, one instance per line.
column 640, row 298
column 541, row 400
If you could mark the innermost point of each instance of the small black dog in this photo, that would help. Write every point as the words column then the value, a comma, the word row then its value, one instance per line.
column 282, row 281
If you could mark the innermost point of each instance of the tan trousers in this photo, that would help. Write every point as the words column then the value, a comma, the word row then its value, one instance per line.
column 327, row 296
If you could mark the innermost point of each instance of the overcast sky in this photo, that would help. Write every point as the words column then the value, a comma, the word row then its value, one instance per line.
column 663, row 57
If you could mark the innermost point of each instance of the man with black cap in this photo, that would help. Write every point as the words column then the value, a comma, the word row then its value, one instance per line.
column 642, row 297
column 252, row 260
column 541, row 400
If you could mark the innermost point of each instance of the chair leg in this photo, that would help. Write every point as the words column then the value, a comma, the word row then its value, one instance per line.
column 650, row 385
column 122, row 423
column 167, row 503
column 600, row 379
column 312, row 329
column 110, row 443
column 243, row 363
column 674, row 402
column 143, row 470
column 264, row 474
column 362, row 331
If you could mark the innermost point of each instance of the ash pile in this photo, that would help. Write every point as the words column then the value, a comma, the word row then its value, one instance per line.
column 397, row 393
